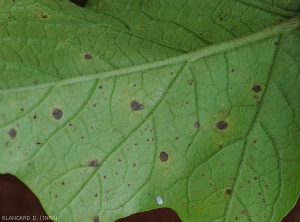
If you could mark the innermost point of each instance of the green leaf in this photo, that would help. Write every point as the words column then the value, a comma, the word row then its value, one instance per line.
column 127, row 106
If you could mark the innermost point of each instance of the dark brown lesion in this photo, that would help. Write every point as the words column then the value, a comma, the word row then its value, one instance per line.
column 196, row 124
column 256, row 88
column 136, row 106
column 12, row 133
column 163, row 156
column 57, row 113
column 93, row 163
column 221, row 125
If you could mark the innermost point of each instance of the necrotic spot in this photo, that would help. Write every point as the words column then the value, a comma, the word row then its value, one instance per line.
column 196, row 124
column 256, row 88
column 135, row 105
column 96, row 219
column 88, row 56
column 12, row 133
column 221, row 125
column 228, row 191
column 93, row 163
column 57, row 113
column 163, row 156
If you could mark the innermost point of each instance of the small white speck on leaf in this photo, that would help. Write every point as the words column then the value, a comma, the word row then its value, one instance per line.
column 159, row 200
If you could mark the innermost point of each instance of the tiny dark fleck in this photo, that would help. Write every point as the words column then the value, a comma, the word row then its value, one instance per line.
column 119, row 160
column 63, row 183
column 255, row 178
column 87, row 56
column 276, row 43
column 57, row 113
column 91, row 127
column 34, row 117
column 136, row 106
column 22, row 109
column 44, row 16
column 70, row 124
column 147, row 140
column 55, row 196
column 116, row 173
column 248, row 181
column 134, row 85
column 232, row 70
column 254, row 141
column 104, row 176
column 203, row 174
column 134, row 164
column 100, row 87
column 135, row 144
column 38, row 143
column 266, row 186
column 242, row 212
column 256, row 88
column 12, row 133
column 94, row 105
column 235, row 218
column 196, row 124
column 96, row 195
column 128, row 184
column 263, row 200
column 171, row 73
column 82, row 137
column 163, row 156
column 96, row 219
column 93, row 163
column 220, row 145
column 176, row 137
column 259, row 193
column 221, row 125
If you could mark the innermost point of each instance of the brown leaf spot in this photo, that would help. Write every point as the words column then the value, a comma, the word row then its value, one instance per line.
column 57, row 113
column 221, row 125
column 242, row 212
column 196, row 124
column 228, row 191
column 163, row 156
column 136, row 106
column 93, row 163
column 12, row 133
column 88, row 56
column 256, row 88
column 96, row 219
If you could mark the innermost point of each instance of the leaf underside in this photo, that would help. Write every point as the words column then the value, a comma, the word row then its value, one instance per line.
column 106, row 109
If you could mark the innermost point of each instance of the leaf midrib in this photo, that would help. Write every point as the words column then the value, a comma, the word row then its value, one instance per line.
column 284, row 27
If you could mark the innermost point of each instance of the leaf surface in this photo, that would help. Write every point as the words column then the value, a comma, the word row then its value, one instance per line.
column 122, row 107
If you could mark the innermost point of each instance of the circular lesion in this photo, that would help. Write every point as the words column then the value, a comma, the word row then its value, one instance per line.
column 57, row 113
column 222, row 125
column 163, row 156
